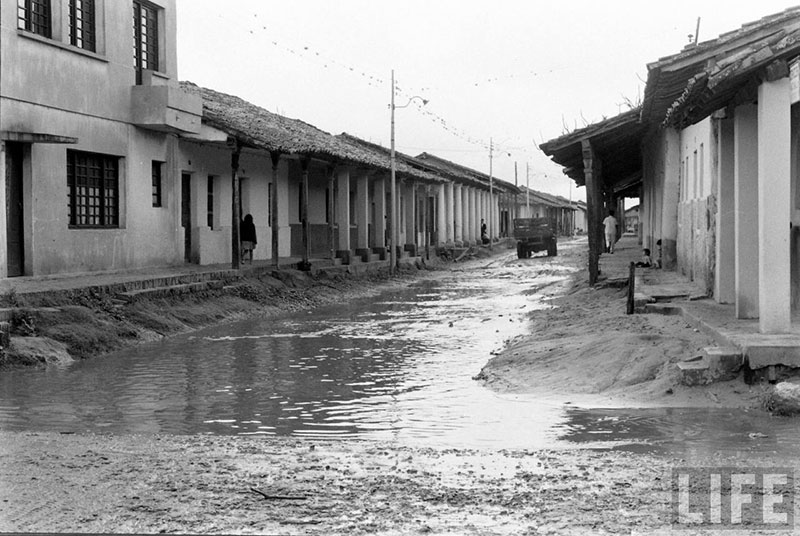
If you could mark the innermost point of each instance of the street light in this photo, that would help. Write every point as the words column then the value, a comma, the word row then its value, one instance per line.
column 393, row 189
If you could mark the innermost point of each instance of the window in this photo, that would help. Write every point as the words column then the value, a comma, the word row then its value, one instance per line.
column 210, row 203
column 93, row 187
column 35, row 16
column 82, row 24
column 156, row 174
column 145, row 38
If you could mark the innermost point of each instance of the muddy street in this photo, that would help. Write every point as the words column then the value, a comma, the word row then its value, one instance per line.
column 365, row 418
column 398, row 366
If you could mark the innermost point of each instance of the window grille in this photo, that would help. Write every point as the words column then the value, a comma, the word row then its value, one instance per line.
column 145, row 38
column 82, row 33
column 93, row 188
column 35, row 16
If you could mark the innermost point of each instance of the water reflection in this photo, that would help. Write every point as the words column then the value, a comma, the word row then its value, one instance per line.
column 687, row 430
column 397, row 367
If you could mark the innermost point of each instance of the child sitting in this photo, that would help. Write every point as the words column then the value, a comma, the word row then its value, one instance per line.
column 645, row 262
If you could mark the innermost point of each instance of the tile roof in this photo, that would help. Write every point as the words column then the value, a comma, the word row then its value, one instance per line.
column 686, row 87
column 453, row 169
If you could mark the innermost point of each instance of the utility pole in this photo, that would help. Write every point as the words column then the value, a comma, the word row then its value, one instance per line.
column 491, row 196
column 528, row 189
column 516, row 195
column 392, row 198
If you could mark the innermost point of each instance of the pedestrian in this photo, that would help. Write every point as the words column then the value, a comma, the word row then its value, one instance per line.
column 610, row 226
column 645, row 262
column 484, row 233
column 658, row 259
column 247, row 235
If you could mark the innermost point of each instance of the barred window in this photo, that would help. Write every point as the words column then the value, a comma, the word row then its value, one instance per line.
column 93, row 189
column 145, row 38
column 156, row 174
column 35, row 16
column 82, row 24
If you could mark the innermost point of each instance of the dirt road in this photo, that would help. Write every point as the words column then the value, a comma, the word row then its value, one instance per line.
column 254, row 485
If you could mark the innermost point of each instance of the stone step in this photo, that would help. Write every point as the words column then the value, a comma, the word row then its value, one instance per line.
column 171, row 290
column 715, row 364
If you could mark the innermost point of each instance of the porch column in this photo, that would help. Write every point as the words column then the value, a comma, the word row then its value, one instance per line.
column 273, row 199
column 471, row 210
column 745, row 133
column 458, row 213
column 236, row 258
column 343, row 215
column 411, row 206
column 725, row 277
column 593, row 206
column 379, row 198
column 441, row 216
column 362, row 215
column 331, row 212
column 304, row 265
column 774, row 195
column 449, row 209
column 671, row 198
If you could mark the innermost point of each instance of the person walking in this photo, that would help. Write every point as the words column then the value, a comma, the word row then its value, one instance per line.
column 610, row 227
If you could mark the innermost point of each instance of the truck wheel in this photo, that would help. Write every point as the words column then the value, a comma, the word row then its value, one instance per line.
column 520, row 251
column 552, row 249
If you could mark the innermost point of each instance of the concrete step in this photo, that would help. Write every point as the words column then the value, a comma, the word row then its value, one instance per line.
column 171, row 290
column 715, row 364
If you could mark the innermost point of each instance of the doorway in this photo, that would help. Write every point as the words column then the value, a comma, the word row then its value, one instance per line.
column 15, row 242
column 186, row 215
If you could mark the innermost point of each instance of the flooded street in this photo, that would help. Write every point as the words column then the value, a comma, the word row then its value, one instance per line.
column 397, row 367
column 361, row 418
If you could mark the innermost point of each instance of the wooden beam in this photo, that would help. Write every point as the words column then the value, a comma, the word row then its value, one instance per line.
column 273, row 193
column 305, row 264
column 593, row 203
column 236, row 217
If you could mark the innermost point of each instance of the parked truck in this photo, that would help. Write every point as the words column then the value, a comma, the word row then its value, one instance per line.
column 534, row 234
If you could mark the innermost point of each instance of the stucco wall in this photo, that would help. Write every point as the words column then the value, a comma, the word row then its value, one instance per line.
column 213, row 245
column 145, row 235
column 697, row 208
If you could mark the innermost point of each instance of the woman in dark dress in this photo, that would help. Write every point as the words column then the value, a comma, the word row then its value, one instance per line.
column 247, row 234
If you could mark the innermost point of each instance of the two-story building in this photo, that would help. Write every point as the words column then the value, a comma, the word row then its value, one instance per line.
column 90, row 113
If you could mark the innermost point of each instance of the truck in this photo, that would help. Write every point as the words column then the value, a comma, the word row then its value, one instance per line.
column 534, row 234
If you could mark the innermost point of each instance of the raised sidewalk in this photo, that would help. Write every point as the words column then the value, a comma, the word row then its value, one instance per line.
column 739, row 341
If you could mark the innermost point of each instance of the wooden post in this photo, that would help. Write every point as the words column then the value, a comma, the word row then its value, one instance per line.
column 331, row 213
column 593, row 204
column 428, row 226
column 304, row 264
column 273, row 193
column 631, row 287
column 236, row 260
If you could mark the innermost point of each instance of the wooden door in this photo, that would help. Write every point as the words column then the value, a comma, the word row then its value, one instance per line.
column 186, row 215
column 15, row 243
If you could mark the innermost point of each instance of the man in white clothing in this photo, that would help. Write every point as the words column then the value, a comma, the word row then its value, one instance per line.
column 610, row 226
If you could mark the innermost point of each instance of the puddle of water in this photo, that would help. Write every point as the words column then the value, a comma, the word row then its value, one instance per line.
column 701, row 431
column 398, row 368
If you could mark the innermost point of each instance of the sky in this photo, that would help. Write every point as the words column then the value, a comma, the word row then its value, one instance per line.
column 505, row 74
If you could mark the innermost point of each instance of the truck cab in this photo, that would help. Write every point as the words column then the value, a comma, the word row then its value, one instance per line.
column 533, row 235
